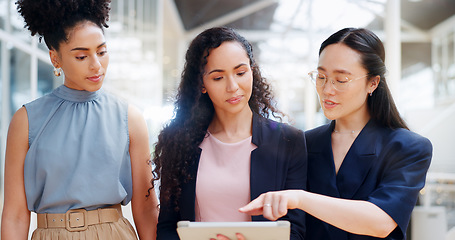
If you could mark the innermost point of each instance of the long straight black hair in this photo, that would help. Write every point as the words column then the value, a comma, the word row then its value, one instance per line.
column 381, row 106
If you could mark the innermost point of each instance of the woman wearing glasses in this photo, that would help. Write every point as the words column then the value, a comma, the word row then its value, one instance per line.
column 365, row 168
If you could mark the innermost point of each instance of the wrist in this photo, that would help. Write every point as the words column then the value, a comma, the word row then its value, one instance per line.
column 302, row 197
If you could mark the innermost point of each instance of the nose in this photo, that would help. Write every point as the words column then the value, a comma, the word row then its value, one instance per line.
column 232, row 85
column 95, row 64
column 328, row 87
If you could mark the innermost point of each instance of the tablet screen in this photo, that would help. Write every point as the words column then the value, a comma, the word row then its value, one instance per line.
column 278, row 230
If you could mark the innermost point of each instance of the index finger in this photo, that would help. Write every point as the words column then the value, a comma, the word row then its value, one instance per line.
column 254, row 207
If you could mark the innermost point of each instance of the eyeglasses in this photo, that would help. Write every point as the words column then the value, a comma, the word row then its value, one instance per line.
column 340, row 81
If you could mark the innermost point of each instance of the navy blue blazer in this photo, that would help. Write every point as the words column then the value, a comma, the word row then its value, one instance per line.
column 383, row 166
column 279, row 162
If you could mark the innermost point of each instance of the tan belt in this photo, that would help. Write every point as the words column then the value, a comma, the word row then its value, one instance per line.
column 79, row 219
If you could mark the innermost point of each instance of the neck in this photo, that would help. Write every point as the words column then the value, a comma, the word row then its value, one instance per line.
column 232, row 127
column 351, row 125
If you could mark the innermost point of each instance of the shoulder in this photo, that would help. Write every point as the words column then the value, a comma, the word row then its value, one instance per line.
column 134, row 115
column 18, row 127
column 113, row 99
column 398, row 148
column 407, row 135
column 317, row 131
column 316, row 135
column 20, row 117
column 407, row 140
column 39, row 109
column 137, row 126
column 41, row 102
column 113, row 106
column 273, row 127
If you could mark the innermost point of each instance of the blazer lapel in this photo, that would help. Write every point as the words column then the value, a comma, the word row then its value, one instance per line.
column 262, row 172
column 188, row 196
column 357, row 162
column 321, row 168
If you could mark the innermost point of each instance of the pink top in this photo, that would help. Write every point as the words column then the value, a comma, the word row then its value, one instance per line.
column 223, row 180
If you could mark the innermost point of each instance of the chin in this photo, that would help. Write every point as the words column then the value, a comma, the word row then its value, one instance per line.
column 330, row 116
column 93, row 88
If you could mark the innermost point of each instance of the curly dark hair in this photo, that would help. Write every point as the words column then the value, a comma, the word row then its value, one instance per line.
column 178, row 143
column 52, row 19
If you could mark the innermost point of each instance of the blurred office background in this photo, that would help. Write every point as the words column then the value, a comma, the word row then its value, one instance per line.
column 147, row 40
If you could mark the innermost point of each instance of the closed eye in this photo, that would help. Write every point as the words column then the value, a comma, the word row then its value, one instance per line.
column 102, row 53
column 320, row 76
column 241, row 73
column 342, row 81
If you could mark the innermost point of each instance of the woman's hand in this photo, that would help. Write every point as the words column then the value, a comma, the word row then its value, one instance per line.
column 222, row 237
column 273, row 205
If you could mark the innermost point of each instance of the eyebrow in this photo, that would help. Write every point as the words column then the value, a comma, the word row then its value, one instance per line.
column 219, row 70
column 336, row 71
column 86, row 49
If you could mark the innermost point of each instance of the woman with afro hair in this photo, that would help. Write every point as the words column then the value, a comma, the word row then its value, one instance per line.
column 221, row 150
column 76, row 155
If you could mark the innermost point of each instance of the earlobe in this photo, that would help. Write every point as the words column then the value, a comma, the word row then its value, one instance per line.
column 55, row 62
column 204, row 90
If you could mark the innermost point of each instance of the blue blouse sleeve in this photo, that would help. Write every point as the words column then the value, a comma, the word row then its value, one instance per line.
column 408, row 157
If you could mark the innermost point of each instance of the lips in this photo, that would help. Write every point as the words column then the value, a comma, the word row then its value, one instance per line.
column 234, row 100
column 96, row 78
column 328, row 104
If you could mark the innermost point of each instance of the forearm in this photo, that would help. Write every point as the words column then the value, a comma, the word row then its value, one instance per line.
column 355, row 216
column 14, row 228
column 145, row 221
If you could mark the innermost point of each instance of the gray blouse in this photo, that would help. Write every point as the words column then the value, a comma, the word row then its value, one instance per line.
column 78, row 153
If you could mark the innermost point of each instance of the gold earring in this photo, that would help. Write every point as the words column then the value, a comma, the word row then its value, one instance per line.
column 57, row 71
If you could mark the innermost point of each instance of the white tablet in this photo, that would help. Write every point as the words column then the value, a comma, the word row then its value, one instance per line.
column 279, row 230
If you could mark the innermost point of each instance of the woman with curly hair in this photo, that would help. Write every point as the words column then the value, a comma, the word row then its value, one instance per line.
column 221, row 150
column 75, row 155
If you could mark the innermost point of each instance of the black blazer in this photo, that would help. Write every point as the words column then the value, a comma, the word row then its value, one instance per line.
column 279, row 162
column 383, row 166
